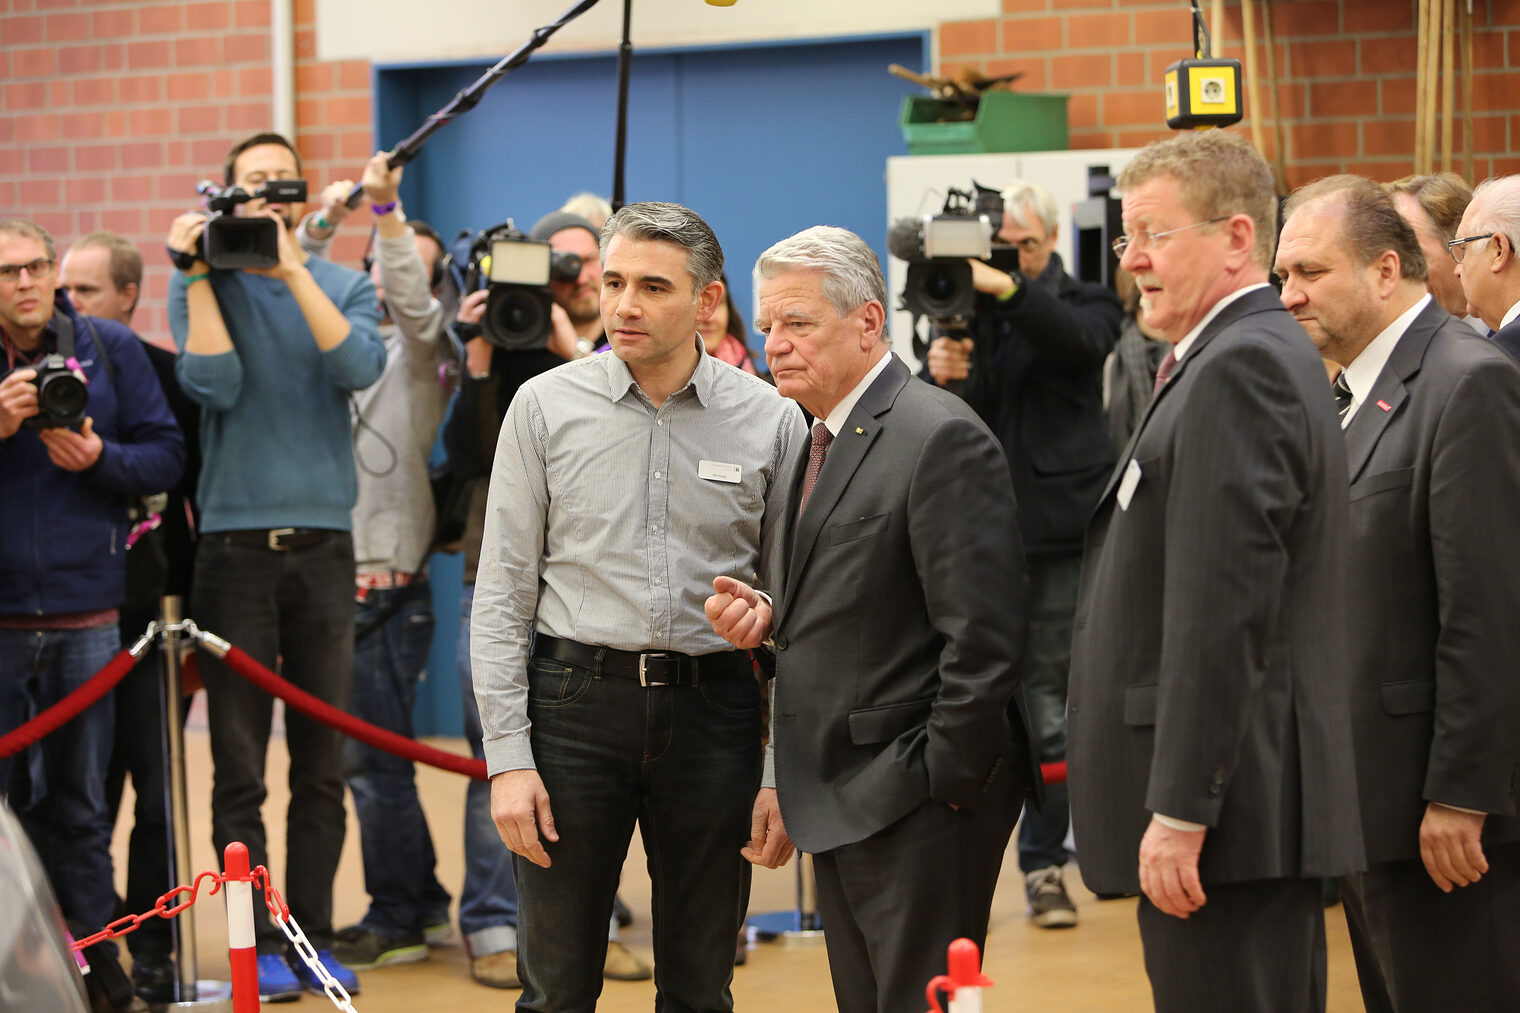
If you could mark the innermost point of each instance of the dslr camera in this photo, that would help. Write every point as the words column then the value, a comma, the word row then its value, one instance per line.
column 61, row 394
column 936, row 248
column 517, row 271
column 233, row 243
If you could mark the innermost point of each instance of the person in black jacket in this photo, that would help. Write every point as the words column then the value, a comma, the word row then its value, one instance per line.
column 1032, row 368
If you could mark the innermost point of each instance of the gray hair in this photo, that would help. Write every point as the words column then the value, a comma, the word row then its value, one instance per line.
column 31, row 230
column 851, row 272
column 1497, row 204
column 1022, row 196
column 670, row 223
column 589, row 206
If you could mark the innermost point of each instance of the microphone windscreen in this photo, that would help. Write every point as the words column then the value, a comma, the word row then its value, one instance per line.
column 905, row 239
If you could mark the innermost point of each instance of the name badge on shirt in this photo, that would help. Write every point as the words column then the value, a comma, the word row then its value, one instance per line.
column 717, row 471
column 1127, row 484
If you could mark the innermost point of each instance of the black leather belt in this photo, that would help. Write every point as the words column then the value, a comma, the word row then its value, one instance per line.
column 278, row 539
column 647, row 668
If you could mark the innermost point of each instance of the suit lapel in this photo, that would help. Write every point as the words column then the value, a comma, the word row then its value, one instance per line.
column 1251, row 302
column 844, row 457
column 1389, row 389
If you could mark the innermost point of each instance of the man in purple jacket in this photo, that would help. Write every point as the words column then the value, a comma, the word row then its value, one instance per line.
column 66, row 482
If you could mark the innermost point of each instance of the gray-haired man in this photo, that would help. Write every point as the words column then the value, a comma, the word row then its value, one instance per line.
column 622, row 482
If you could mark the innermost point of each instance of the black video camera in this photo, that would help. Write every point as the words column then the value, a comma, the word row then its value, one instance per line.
column 517, row 271
column 233, row 243
column 936, row 248
column 61, row 394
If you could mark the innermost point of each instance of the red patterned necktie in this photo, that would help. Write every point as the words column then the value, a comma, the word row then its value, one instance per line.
column 821, row 440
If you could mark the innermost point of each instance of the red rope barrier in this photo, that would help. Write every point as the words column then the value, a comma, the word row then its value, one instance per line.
column 399, row 745
column 101, row 683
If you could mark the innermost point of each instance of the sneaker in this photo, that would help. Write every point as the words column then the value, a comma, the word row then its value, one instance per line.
column 496, row 970
column 277, row 982
column 342, row 975
column 622, row 965
column 153, row 977
column 362, row 948
column 440, row 934
column 1049, row 906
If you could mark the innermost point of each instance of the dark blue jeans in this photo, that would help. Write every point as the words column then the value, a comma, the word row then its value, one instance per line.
column 58, row 786
column 293, row 612
column 488, row 901
column 1052, row 605
column 684, row 764
column 404, row 893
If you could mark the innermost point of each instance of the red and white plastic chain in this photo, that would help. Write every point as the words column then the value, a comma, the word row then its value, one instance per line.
column 130, row 923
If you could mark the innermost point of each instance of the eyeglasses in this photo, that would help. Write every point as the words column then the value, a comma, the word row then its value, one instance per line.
column 1140, row 240
column 1458, row 247
column 39, row 268
column 1028, row 244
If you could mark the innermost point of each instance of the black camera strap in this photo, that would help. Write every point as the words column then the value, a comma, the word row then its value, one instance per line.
column 63, row 328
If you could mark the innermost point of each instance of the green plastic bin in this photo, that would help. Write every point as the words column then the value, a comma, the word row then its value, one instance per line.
column 1004, row 121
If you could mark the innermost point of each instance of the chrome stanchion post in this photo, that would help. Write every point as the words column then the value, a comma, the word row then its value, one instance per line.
column 205, row 996
column 801, row 925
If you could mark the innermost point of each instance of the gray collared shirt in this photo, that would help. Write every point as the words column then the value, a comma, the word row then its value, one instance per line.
column 608, row 519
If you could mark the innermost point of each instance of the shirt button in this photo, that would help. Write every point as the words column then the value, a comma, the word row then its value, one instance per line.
column 657, row 474
column 659, row 422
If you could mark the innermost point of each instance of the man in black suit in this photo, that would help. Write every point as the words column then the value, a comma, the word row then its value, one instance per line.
column 1431, row 414
column 1033, row 370
column 1210, row 767
column 901, row 750
column 1486, row 263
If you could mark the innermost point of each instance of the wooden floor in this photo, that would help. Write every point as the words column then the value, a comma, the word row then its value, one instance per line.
column 1096, row 966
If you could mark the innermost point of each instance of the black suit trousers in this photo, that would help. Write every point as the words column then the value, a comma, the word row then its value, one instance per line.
column 1254, row 947
column 893, row 903
column 1418, row 949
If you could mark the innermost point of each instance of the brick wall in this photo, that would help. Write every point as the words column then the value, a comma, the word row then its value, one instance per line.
column 110, row 113
column 1345, row 68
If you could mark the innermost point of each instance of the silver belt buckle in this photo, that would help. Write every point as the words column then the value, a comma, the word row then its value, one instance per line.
column 643, row 658
column 274, row 538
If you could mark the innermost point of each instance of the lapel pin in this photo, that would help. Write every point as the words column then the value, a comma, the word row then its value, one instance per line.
column 859, row 431
column 1385, row 406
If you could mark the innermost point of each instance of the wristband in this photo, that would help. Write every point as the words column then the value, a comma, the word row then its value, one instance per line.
column 382, row 209
column 321, row 222
column 1012, row 291
column 191, row 279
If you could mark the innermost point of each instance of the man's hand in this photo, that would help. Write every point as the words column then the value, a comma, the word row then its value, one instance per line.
column 950, row 359
column 73, row 451
column 335, row 202
column 1451, row 846
column 18, row 401
column 988, row 279
column 562, row 337
column 1169, row 868
column 738, row 613
column 520, row 809
column 381, row 182
column 185, row 236
column 768, row 843
column 473, row 307
column 291, row 261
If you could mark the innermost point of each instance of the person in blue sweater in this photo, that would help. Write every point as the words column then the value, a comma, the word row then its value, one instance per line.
column 271, row 355
column 63, row 554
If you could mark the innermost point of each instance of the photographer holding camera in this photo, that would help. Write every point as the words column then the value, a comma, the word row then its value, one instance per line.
column 272, row 353
column 396, row 423
column 1032, row 369
column 83, row 427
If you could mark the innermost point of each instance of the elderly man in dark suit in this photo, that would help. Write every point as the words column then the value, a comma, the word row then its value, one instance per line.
column 1431, row 415
column 1210, row 766
column 1487, row 264
column 901, row 750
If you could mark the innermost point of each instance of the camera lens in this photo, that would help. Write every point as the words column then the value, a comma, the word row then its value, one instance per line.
column 941, row 286
column 61, row 396
column 516, row 317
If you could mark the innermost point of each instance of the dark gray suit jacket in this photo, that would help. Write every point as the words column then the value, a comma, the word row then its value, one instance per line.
column 899, row 622
column 1208, row 677
column 1434, row 458
column 1508, row 338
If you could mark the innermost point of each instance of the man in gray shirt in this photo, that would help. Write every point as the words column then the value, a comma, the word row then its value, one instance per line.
column 622, row 483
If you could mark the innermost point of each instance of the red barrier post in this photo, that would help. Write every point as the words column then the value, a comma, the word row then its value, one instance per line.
column 242, row 947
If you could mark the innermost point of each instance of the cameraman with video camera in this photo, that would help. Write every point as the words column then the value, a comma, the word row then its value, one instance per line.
column 271, row 353
column 1032, row 368
column 83, row 427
